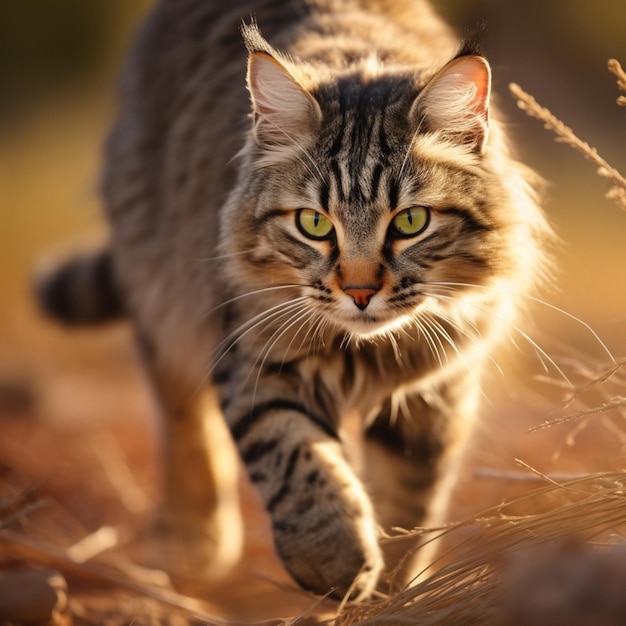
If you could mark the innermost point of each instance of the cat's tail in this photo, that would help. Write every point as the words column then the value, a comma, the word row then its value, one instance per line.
column 82, row 290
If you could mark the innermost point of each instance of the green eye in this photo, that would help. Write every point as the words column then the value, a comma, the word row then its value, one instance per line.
column 314, row 224
column 411, row 222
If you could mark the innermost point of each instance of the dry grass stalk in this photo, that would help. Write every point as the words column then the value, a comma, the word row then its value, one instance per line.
column 19, row 506
column 565, row 134
column 524, row 477
column 595, row 378
column 615, row 402
column 469, row 589
column 599, row 396
column 616, row 68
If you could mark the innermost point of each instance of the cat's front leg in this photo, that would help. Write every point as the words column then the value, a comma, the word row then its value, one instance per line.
column 412, row 460
column 323, row 522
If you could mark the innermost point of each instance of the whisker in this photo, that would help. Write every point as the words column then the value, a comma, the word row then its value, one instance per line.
column 306, row 323
column 424, row 330
column 318, row 336
column 540, row 351
column 300, row 312
column 464, row 333
column 403, row 405
column 395, row 347
column 267, row 348
column 345, row 341
column 264, row 317
column 244, row 329
column 219, row 257
column 253, row 321
column 536, row 300
column 464, row 330
column 446, row 336
column 255, row 292
column 435, row 340
column 311, row 332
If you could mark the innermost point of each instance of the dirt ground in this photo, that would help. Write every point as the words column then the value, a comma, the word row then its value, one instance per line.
column 79, row 429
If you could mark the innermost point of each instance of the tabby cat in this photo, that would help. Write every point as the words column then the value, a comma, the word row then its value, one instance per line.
column 326, row 259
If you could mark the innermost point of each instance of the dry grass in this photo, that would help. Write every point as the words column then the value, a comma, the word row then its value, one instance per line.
column 565, row 134
column 616, row 68
column 472, row 588
column 496, row 564
column 487, row 573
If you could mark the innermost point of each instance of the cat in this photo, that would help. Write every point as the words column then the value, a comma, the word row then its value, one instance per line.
column 316, row 223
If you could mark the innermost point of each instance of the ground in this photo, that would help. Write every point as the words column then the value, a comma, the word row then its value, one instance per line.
column 79, row 429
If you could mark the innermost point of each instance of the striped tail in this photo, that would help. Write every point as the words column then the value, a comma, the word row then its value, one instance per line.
column 82, row 291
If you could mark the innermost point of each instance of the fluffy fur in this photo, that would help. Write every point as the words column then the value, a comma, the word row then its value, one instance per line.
column 356, row 111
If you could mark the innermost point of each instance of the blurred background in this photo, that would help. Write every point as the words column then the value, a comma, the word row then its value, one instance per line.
column 58, row 66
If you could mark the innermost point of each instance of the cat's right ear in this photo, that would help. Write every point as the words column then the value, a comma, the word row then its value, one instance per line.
column 456, row 102
column 283, row 110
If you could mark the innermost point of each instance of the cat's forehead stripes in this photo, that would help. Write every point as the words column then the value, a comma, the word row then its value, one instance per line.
column 356, row 143
column 357, row 106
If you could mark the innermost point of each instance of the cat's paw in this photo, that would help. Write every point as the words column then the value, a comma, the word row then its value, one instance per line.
column 331, row 557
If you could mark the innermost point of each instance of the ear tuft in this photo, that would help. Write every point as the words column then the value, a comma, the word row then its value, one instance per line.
column 283, row 109
column 456, row 101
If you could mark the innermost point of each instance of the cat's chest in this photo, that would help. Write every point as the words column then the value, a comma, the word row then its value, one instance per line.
column 334, row 376
column 360, row 379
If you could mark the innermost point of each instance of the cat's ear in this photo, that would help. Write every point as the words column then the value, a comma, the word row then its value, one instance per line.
column 456, row 101
column 283, row 110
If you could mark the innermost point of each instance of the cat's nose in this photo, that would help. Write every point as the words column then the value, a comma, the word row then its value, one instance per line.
column 361, row 294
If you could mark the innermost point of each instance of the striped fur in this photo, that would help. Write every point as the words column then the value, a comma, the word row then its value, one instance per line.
column 361, row 109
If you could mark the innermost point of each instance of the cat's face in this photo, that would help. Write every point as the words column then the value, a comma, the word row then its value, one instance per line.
column 369, row 265
column 369, row 197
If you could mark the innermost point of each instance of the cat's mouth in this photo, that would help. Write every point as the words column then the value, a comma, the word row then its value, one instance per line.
column 374, row 328
column 366, row 317
column 376, row 320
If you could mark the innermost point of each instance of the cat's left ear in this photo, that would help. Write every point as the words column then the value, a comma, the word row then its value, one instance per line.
column 283, row 110
column 456, row 102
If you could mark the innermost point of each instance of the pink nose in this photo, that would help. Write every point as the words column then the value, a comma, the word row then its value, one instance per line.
column 361, row 294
